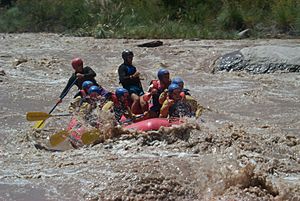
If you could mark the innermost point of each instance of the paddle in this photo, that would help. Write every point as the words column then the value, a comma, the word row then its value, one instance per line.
column 132, row 119
column 90, row 136
column 58, row 138
column 41, row 123
column 107, row 106
column 37, row 116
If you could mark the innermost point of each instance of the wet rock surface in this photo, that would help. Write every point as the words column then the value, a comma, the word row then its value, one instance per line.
column 245, row 148
column 260, row 60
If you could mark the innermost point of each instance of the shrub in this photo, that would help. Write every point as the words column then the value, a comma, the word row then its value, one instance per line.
column 152, row 19
column 230, row 17
column 285, row 14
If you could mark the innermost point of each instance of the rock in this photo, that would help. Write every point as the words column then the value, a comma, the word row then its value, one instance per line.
column 151, row 44
column 260, row 59
column 2, row 73
column 233, row 61
column 19, row 61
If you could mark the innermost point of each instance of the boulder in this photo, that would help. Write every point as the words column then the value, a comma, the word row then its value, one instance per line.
column 151, row 44
column 260, row 59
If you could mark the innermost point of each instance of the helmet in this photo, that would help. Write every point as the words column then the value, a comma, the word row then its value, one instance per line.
column 161, row 73
column 121, row 92
column 76, row 62
column 173, row 87
column 87, row 84
column 126, row 53
column 94, row 89
column 177, row 80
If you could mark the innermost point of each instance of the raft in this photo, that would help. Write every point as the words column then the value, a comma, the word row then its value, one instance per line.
column 76, row 128
column 153, row 124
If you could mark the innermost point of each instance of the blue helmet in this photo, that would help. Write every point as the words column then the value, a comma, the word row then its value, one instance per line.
column 177, row 80
column 172, row 87
column 94, row 89
column 87, row 84
column 121, row 92
column 161, row 73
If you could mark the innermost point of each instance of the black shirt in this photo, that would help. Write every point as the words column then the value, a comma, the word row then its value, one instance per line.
column 124, row 72
column 89, row 75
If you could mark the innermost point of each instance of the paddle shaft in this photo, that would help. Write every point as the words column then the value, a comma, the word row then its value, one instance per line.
column 59, row 101
column 130, row 120
column 38, row 116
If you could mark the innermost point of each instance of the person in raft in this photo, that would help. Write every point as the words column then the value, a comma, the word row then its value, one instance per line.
column 129, row 78
column 120, row 104
column 81, row 96
column 156, row 88
column 175, row 104
column 197, row 109
column 82, row 74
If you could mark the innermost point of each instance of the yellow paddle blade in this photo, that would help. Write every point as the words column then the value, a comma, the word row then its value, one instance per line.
column 39, row 124
column 107, row 106
column 90, row 136
column 37, row 116
column 58, row 138
column 199, row 111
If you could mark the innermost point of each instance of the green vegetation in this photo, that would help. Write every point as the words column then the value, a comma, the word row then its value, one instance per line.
column 210, row 19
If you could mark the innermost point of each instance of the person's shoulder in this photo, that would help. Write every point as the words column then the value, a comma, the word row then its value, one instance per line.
column 186, row 91
column 87, row 67
column 72, row 77
column 122, row 67
column 154, row 81
column 155, row 84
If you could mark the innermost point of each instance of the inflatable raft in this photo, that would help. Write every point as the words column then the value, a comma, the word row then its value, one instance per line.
column 153, row 124
column 76, row 128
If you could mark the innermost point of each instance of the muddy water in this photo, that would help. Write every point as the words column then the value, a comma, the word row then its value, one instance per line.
column 247, row 148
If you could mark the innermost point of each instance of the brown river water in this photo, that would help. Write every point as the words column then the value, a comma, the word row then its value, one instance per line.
column 247, row 146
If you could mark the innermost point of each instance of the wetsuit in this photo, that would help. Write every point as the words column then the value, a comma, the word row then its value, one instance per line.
column 133, row 85
column 89, row 75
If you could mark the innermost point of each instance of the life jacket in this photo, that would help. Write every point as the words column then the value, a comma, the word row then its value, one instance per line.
column 130, row 70
column 82, row 93
column 156, row 84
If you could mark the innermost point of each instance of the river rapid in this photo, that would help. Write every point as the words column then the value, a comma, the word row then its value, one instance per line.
column 246, row 146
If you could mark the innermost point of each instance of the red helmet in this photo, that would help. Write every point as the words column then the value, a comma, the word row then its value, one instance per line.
column 76, row 62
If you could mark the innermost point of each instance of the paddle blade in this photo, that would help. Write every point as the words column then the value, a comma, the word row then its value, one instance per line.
column 37, row 116
column 90, row 136
column 107, row 106
column 39, row 124
column 58, row 138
